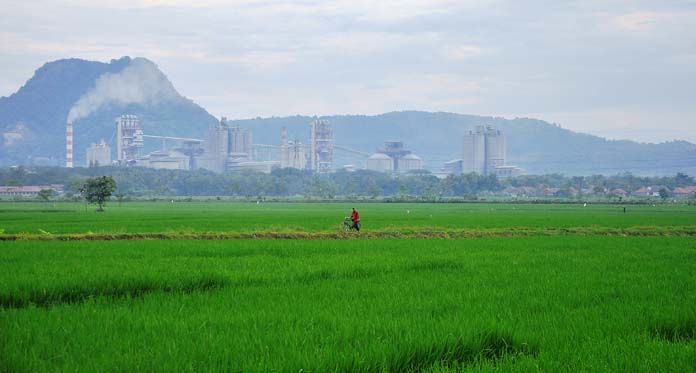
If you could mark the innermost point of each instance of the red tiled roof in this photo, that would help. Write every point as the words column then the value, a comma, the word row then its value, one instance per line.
column 29, row 188
column 685, row 190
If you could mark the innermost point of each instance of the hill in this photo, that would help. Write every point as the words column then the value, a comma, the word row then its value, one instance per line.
column 32, row 120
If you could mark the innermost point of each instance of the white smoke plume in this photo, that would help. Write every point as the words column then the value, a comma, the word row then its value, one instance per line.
column 139, row 83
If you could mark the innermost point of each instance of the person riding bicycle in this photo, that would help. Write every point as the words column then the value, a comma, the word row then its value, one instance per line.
column 355, row 217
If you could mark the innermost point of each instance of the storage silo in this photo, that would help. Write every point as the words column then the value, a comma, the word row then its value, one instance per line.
column 474, row 156
column 410, row 162
column 495, row 149
column 380, row 162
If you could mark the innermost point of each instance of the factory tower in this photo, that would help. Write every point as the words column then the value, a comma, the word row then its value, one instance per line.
column 484, row 150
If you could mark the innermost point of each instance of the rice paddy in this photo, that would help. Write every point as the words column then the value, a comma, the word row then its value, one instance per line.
column 529, row 302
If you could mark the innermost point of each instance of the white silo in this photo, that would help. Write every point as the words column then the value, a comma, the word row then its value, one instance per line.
column 474, row 156
column 380, row 162
column 495, row 149
column 410, row 162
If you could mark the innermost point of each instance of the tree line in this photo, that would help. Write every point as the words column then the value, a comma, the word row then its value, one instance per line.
column 144, row 182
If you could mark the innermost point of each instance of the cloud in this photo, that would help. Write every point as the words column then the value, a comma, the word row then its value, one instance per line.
column 463, row 52
column 370, row 41
column 143, row 4
column 638, row 21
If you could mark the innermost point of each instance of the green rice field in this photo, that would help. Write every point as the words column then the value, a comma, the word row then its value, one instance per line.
column 144, row 217
column 588, row 298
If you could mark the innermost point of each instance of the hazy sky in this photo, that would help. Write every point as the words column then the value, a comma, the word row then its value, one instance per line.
column 619, row 69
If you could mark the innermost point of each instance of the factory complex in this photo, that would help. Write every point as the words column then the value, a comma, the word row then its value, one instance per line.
column 227, row 148
column 484, row 153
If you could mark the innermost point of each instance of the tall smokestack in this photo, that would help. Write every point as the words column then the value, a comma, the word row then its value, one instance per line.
column 69, row 145
column 284, row 150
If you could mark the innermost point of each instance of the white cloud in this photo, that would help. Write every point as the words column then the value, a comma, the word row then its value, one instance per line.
column 463, row 52
column 370, row 41
column 638, row 21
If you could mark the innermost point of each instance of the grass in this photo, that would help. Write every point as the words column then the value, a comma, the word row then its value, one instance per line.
column 392, row 232
column 675, row 331
column 134, row 287
column 556, row 303
column 278, row 286
column 240, row 218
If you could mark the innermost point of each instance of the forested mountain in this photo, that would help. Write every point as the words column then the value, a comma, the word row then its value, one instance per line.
column 32, row 120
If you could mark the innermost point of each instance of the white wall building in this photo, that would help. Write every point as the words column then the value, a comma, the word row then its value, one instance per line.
column 293, row 154
column 474, row 156
column 495, row 150
column 99, row 154
column 503, row 172
column 484, row 150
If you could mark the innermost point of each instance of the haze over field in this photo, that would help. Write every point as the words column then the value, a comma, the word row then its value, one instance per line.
column 618, row 69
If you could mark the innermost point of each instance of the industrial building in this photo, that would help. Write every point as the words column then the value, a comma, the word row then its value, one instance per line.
column 240, row 142
column 495, row 149
column 258, row 166
column 99, row 154
column 129, row 144
column 321, row 146
column 293, row 154
column 409, row 162
column 484, row 150
column 129, row 139
column 380, row 162
column 504, row 172
column 474, row 156
column 163, row 159
column 215, row 148
column 454, row 167
column 229, row 149
column 394, row 158
column 484, row 153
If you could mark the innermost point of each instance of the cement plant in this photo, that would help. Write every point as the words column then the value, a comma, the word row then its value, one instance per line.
column 226, row 148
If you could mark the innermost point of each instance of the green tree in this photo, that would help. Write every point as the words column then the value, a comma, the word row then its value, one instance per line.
column 98, row 190
column 373, row 190
column 664, row 194
column 402, row 191
column 45, row 194
column 682, row 179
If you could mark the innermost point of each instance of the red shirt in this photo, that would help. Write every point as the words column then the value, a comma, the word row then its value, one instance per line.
column 355, row 217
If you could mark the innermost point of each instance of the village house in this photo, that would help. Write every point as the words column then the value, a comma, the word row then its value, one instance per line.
column 650, row 191
column 685, row 192
column 619, row 193
column 28, row 191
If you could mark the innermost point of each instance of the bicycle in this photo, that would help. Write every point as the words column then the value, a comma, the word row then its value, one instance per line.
column 346, row 224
